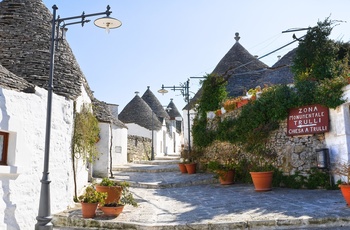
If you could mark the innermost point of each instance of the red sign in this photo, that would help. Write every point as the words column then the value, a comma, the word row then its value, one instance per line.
column 308, row 120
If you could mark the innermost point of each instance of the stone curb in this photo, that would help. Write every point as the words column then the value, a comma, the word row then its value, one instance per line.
column 64, row 221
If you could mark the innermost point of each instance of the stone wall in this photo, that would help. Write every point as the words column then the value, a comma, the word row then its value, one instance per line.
column 296, row 153
column 139, row 148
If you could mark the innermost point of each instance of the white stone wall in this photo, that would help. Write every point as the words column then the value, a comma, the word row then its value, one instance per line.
column 186, row 128
column 113, row 140
column 338, row 138
column 120, row 150
column 23, row 115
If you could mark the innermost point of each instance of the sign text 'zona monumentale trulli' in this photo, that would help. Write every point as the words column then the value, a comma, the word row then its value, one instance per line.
column 308, row 120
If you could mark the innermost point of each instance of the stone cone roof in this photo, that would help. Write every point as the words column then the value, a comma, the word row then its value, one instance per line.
column 239, row 60
column 155, row 104
column 280, row 73
column 172, row 110
column 240, row 67
column 25, row 30
column 173, row 114
column 138, row 111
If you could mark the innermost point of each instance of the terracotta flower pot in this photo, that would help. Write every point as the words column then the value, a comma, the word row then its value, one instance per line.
column 112, row 211
column 191, row 168
column 345, row 190
column 88, row 210
column 262, row 181
column 226, row 177
column 182, row 168
column 113, row 193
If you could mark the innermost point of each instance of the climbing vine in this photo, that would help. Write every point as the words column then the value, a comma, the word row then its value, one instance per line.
column 213, row 94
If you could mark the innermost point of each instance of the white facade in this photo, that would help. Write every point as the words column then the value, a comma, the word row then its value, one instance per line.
column 338, row 138
column 23, row 116
column 112, row 147
column 186, row 130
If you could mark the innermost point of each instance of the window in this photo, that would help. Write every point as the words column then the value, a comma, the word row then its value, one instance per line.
column 4, row 138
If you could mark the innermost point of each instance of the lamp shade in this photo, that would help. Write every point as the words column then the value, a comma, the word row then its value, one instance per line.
column 162, row 91
column 107, row 23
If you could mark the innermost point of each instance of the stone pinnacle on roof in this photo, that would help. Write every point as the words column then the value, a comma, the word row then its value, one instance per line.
column 237, row 37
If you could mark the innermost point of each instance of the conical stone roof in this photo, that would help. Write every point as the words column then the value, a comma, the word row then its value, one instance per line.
column 280, row 73
column 173, row 114
column 238, row 60
column 155, row 104
column 25, row 31
column 240, row 67
column 137, row 111
column 172, row 110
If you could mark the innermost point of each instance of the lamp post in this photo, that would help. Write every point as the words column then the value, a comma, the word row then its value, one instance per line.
column 44, row 214
column 152, row 147
column 184, row 88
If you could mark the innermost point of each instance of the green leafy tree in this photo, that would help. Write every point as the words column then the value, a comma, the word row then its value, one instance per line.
column 321, row 67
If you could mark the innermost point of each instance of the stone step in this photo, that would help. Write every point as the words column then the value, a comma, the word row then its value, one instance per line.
column 164, row 179
column 158, row 162
column 148, row 168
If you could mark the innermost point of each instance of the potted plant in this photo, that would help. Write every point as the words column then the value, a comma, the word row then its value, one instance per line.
column 182, row 166
column 261, row 169
column 343, row 169
column 262, row 175
column 115, row 208
column 191, row 166
column 90, row 200
column 225, row 172
column 112, row 188
column 190, row 161
column 181, row 163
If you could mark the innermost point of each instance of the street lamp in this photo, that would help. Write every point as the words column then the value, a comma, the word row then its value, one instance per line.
column 44, row 215
column 184, row 88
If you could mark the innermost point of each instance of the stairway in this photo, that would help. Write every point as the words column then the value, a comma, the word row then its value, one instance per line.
column 163, row 172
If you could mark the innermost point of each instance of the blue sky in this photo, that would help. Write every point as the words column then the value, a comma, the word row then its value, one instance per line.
column 167, row 42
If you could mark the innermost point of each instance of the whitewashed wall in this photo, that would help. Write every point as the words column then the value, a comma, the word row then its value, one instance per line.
column 113, row 140
column 174, row 141
column 23, row 115
column 338, row 139
column 186, row 128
